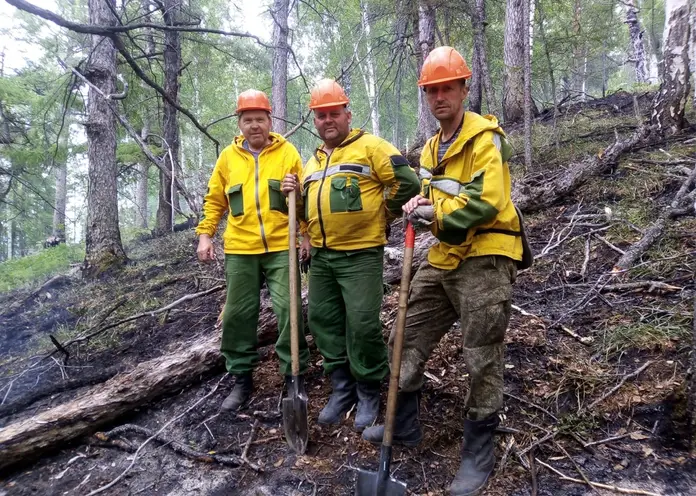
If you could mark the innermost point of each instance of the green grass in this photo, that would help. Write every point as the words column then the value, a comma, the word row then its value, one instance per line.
column 26, row 270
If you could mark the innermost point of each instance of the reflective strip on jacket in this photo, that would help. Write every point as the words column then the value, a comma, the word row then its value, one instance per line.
column 250, row 191
column 470, row 190
column 349, row 194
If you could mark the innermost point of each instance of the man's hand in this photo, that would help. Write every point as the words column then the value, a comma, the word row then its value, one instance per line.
column 422, row 215
column 290, row 182
column 305, row 254
column 414, row 202
column 206, row 248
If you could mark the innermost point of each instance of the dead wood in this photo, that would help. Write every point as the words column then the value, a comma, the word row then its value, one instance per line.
column 692, row 384
column 656, row 230
column 621, row 383
column 529, row 198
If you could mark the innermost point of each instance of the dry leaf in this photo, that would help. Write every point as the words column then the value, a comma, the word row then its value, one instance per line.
column 638, row 436
column 279, row 463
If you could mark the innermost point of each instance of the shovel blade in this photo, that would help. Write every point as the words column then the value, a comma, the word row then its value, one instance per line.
column 368, row 484
column 295, row 422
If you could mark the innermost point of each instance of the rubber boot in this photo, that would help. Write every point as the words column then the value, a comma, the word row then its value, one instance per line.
column 368, row 405
column 478, row 458
column 407, row 429
column 342, row 399
column 243, row 387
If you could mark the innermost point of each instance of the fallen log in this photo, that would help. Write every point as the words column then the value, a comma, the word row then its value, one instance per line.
column 27, row 439
column 656, row 230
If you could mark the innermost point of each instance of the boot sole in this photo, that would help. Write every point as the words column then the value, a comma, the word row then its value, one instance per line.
column 476, row 491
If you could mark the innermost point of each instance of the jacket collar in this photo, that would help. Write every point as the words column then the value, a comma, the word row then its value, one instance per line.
column 472, row 125
column 276, row 141
column 354, row 135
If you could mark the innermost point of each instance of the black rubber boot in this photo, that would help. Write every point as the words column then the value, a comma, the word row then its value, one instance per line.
column 368, row 405
column 478, row 458
column 243, row 387
column 407, row 430
column 342, row 399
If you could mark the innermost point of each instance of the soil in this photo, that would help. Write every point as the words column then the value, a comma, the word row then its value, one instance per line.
column 551, row 378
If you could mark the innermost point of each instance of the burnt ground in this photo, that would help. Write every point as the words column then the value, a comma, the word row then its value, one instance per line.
column 554, row 383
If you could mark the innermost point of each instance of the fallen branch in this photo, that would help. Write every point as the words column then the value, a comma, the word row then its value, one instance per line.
column 596, row 484
column 534, row 405
column 655, row 231
column 176, row 446
column 577, row 467
column 137, row 452
column 586, row 340
column 245, row 453
column 607, row 440
column 621, row 383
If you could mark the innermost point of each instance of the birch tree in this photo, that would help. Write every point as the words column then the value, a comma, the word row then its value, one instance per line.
column 670, row 101
column 368, row 73
column 279, row 92
column 427, row 125
column 635, row 32
column 513, row 56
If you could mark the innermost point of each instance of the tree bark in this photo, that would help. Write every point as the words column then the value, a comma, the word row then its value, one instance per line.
column 427, row 125
column 476, row 85
column 168, row 203
column 279, row 97
column 103, row 248
column 369, row 73
column 141, row 194
column 61, row 175
column 527, row 86
column 670, row 101
column 513, row 56
column 635, row 31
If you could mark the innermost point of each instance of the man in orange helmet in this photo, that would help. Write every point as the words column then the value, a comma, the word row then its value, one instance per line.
column 352, row 185
column 465, row 199
column 246, row 182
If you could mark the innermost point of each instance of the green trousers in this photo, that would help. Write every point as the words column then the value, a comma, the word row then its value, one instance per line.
column 244, row 275
column 345, row 300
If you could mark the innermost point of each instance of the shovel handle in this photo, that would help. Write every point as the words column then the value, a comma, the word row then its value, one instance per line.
column 399, row 336
column 294, row 327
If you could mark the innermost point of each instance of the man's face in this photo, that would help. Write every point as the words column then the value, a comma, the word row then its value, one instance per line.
column 446, row 99
column 333, row 124
column 255, row 125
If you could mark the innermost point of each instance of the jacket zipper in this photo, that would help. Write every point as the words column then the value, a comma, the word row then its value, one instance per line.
column 321, row 185
column 258, row 201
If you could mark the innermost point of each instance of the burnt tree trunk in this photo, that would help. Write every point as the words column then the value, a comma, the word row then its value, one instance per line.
column 427, row 125
column 172, row 63
column 670, row 100
column 513, row 56
column 279, row 77
column 635, row 32
column 103, row 248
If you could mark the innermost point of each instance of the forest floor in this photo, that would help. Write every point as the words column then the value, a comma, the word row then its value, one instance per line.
column 576, row 333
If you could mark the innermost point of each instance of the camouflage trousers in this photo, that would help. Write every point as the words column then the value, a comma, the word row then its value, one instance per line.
column 478, row 293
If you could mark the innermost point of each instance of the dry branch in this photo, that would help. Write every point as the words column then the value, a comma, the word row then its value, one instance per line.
column 621, row 383
column 656, row 230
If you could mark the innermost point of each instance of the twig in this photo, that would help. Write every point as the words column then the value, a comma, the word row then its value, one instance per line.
column 586, row 340
column 597, row 484
column 583, row 270
column 609, row 244
column 549, row 435
column 604, row 441
column 621, row 383
column 245, row 453
column 135, row 455
column 508, row 447
column 532, row 471
column 534, row 405
column 577, row 467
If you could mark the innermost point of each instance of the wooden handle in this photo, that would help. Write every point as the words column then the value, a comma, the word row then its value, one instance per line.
column 399, row 336
column 294, row 326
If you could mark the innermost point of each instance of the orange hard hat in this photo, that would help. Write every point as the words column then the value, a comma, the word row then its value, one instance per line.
column 253, row 100
column 327, row 93
column 443, row 64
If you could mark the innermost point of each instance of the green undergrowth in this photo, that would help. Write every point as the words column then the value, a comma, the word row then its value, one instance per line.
column 32, row 268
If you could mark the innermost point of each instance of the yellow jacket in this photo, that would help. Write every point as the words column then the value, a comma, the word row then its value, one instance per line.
column 348, row 195
column 249, row 189
column 470, row 191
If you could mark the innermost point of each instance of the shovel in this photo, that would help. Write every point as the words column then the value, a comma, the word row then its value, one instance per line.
column 380, row 483
column 295, row 405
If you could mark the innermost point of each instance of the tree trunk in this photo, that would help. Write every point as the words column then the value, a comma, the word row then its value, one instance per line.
column 346, row 81
column 527, row 86
column 476, row 86
column 61, row 174
column 635, row 31
column 552, row 77
column 670, row 101
column 427, row 125
column 172, row 63
column 513, row 78
column 279, row 77
column 141, row 194
column 369, row 74
column 578, row 51
column 103, row 248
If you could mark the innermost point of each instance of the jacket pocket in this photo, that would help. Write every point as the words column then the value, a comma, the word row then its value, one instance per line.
column 236, row 200
column 276, row 197
column 345, row 195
